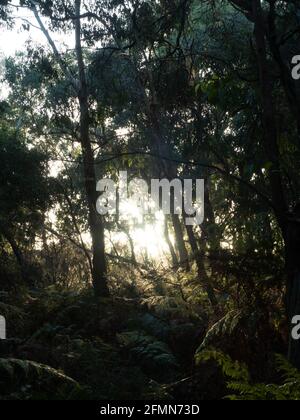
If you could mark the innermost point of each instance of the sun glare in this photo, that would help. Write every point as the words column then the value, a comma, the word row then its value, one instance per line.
column 148, row 236
column 150, row 240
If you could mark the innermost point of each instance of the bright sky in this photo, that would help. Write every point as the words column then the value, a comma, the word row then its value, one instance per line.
column 12, row 41
column 15, row 40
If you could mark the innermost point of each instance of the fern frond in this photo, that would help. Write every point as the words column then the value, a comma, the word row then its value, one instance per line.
column 232, row 369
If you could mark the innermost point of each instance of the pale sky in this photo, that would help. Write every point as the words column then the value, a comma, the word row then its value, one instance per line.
column 14, row 40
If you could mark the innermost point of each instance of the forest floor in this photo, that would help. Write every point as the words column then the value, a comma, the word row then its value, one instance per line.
column 64, row 345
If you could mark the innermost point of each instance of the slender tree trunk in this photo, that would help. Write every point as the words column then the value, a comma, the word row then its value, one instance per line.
column 268, row 116
column 210, row 227
column 210, row 234
column 170, row 245
column 99, row 271
column 169, row 171
column 123, row 228
column 96, row 225
column 159, row 146
column 202, row 274
column 288, row 84
column 183, row 254
column 288, row 228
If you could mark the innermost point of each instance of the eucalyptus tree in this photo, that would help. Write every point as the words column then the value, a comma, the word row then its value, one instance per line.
column 73, row 69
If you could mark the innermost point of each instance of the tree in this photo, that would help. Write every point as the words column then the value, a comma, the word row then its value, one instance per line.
column 80, row 87
column 24, row 195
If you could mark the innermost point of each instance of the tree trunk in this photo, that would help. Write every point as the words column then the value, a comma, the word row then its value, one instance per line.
column 169, row 171
column 96, row 226
column 268, row 117
column 290, row 228
column 123, row 228
column 170, row 245
column 183, row 254
column 202, row 274
column 288, row 84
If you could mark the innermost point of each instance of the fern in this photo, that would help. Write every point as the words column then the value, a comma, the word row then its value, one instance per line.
column 240, row 382
column 152, row 355
column 290, row 373
column 232, row 369
column 171, row 308
column 225, row 328
column 22, row 379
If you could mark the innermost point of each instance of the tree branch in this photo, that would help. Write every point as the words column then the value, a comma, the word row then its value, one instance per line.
column 63, row 66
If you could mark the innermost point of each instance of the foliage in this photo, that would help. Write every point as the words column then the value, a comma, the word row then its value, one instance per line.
column 22, row 379
column 240, row 382
column 153, row 355
column 23, row 192
column 87, row 349
column 17, row 318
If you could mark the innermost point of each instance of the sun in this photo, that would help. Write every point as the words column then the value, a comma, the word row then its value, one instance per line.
column 148, row 236
column 150, row 240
